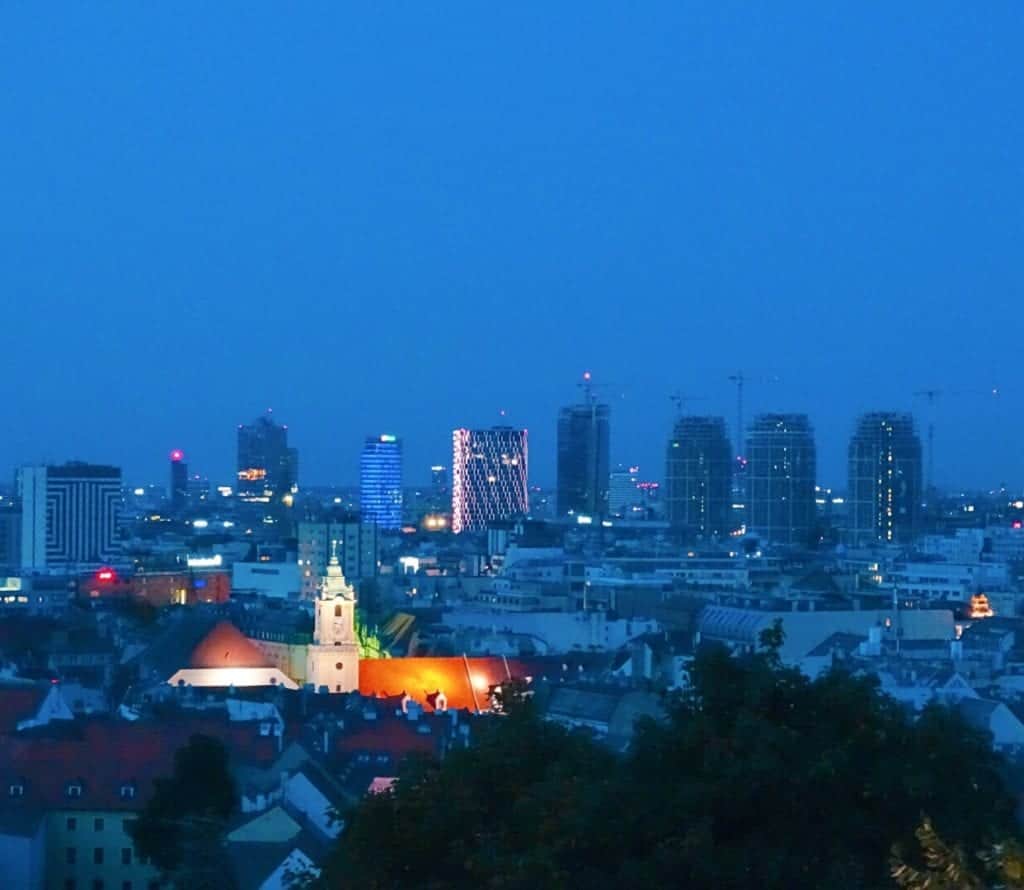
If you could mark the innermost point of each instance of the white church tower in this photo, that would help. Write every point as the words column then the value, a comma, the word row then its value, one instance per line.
column 333, row 658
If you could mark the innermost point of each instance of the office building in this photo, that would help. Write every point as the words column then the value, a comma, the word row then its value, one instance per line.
column 380, row 482
column 624, row 494
column 267, row 467
column 885, row 490
column 439, row 478
column 698, row 477
column 583, row 434
column 179, row 481
column 69, row 515
column 489, row 476
column 781, row 469
column 355, row 542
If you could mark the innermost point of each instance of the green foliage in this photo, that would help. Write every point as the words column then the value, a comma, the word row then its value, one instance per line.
column 759, row 777
column 182, row 825
column 1000, row 867
column 370, row 645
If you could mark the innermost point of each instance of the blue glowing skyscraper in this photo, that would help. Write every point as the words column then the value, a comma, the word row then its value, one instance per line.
column 380, row 481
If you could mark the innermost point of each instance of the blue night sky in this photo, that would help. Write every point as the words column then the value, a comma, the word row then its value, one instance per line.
column 408, row 219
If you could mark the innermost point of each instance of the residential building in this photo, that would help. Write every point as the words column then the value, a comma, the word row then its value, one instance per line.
column 380, row 481
column 355, row 541
column 698, row 477
column 781, row 468
column 69, row 515
column 489, row 476
column 884, row 494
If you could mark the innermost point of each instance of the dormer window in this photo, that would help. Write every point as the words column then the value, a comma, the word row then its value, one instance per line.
column 17, row 789
column 128, row 792
column 74, row 789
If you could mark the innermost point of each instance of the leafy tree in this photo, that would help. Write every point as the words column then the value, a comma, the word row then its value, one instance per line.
column 1001, row 867
column 759, row 777
column 182, row 826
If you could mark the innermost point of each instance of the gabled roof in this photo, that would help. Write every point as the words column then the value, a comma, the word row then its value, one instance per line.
column 272, row 826
column 977, row 711
column 227, row 646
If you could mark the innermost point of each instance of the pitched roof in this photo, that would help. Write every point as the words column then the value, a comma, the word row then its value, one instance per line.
column 419, row 678
column 19, row 701
column 227, row 646
column 104, row 756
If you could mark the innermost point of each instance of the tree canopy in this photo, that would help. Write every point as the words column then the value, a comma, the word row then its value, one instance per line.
column 182, row 825
column 759, row 777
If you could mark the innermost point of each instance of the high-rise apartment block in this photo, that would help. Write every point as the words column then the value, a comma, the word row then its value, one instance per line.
column 380, row 482
column 583, row 445
column 354, row 541
column 698, row 477
column 781, row 470
column 489, row 476
column 69, row 515
column 884, row 495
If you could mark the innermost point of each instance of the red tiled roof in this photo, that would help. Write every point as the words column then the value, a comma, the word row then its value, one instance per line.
column 227, row 646
column 105, row 755
column 18, row 703
column 394, row 736
column 422, row 678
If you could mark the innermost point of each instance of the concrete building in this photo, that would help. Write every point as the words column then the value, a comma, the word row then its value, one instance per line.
column 884, row 494
column 582, row 466
column 781, row 468
column 69, row 516
column 356, row 542
column 698, row 477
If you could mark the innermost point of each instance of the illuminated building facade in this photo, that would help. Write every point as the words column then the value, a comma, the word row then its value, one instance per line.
column 489, row 476
column 884, row 494
column 781, row 470
column 268, row 469
column 332, row 660
column 698, row 477
column 179, row 481
column 380, row 481
column 583, row 442
column 69, row 515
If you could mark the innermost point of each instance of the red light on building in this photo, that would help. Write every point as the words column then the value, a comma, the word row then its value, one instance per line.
column 177, row 455
column 106, row 575
column 1018, row 524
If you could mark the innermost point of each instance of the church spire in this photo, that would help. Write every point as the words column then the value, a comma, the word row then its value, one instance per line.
column 333, row 584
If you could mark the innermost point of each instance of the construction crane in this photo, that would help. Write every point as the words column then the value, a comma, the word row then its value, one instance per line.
column 681, row 400
column 931, row 395
column 589, row 387
column 741, row 380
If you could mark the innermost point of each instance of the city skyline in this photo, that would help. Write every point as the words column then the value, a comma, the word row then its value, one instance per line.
column 462, row 224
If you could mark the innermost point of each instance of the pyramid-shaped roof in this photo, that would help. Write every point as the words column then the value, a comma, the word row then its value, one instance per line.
column 226, row 646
